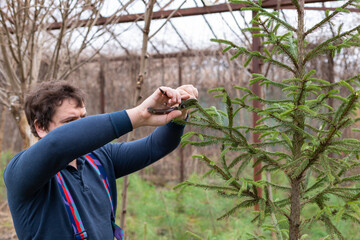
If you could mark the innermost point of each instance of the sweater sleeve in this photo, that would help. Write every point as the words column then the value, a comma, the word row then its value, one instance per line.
column 29, row 170
column 132, row 156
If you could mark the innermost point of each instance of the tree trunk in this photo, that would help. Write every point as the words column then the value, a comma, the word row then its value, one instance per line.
column 2, row 128
column 295, row 209
column 256, row 88
column 137, row 97
column 24, row 128
column 298, row 140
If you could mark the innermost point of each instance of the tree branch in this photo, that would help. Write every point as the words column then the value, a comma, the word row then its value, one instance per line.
column 327, row 19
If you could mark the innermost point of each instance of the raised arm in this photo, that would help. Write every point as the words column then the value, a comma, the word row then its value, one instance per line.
column 129, row 157
column 133, row 156
column 32, row 168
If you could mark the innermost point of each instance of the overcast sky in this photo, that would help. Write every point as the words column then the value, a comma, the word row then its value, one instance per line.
column 194, row 29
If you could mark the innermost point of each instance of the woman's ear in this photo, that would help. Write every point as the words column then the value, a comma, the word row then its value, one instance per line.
column 40, row 130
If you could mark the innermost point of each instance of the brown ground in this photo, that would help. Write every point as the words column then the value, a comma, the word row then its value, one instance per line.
column 7, row 231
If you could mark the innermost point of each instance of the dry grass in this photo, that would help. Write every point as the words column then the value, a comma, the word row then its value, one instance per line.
column 7, row 231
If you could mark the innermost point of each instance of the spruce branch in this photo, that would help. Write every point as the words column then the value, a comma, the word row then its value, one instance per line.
column 332, row 227
column 352, row 218
column 225, row 176
column 349, row 105
column 299, row 100
column 319, row 183
column 316, row 130
column 283, row 202
column 318, row 102
column 223, row 159
column 265, row 81
column 277, row 186
column 322, row 46
column 244, row 204
column 280, row 45
column 215, row 139
column 342, row 196
column 206, row 186
column 351, row 179
column 323, row 144
column 239, row 158
column 276, row 19
column 252, row 54
column 275, row 117
column 227, row 195
column 260, row 127
column 328, row 18
column 329, row 189
column 270, row 102
column 292, row 126
column 347, row 142
column 278, row 209
column 257, row 7
column 318, row 197
column 244, row 163
column 355, row 198
column 227, row 130
column 191, row 123
column 348, row 190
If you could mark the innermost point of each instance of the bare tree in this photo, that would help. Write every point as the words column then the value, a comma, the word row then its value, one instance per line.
column 45, row 40
column 139, row 83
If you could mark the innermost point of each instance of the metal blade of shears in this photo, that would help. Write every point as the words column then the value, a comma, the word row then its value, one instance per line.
column 183, row 105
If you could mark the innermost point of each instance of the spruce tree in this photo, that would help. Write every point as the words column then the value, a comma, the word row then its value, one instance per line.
column 306, row 131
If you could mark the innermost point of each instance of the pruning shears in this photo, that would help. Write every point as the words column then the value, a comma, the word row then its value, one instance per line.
column 183, row 105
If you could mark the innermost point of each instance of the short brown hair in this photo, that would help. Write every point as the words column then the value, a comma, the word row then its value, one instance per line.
column 42, row 101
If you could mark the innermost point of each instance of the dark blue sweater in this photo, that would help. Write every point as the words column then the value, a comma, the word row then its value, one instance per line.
column 35, row 202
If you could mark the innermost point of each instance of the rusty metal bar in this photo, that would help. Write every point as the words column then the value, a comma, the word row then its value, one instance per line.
column 180, row 13
column 321, row 8
column 193, row 53
column 181, row 150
